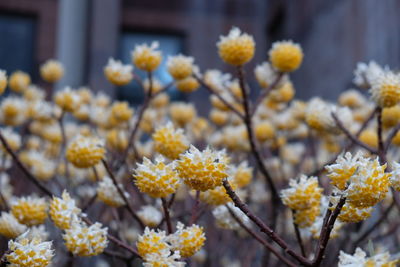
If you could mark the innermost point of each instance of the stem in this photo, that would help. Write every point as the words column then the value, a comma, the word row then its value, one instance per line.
column 89, row 203
column 263, row 227
column 166, row 215
column 266, row 92
column 298, row 237
column 121, row 193
column 259, row 238
column 27, row 173
column 195, row 208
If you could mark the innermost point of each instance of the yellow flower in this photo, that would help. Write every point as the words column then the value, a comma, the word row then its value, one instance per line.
column 180, row 66
column 352, row 214
column 10, row 227
column 203, row 170
column 351, row 98
column 156, row 179
column 161, row 100
column 19, row 81
column 182, row 113
column 85, row 241
column 67, row 99
column 216, row 196
column 13, row 139
column 242, row 174
column 85, row 152
column 285, row 56
column 121, row 112
column 236, row 48
column 385, row 90
column 13, row 111
column 187, row 240
column 62, row 210
column 30, row 210
column 117, row 139
column 341, row 171
column 156, row 85
column 391, row 116
column 52, row 71
column 26, row 252
column 369, row 137
column 283, row 93
column 219, row 117
column 264, row 131
column 108, row 193
column 3, row 81
column 360, row 259
column 146, row 57
column 150, row 215
column 118, row 73
column 187, row 85
column 151, row 242
column 170, row 142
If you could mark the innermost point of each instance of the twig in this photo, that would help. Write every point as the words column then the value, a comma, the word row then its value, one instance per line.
column 195, row 208
column 27, row 173
column 352, row 137
column 259, row 238
column 89, row 203
column 166, row 215
column 298, row 237
column 263, row 227
column 390, row 137
column 121, row 193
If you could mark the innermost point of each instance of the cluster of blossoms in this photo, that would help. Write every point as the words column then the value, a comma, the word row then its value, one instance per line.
column 199, row 169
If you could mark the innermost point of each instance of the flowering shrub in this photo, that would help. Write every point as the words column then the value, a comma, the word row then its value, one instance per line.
column 162, row 185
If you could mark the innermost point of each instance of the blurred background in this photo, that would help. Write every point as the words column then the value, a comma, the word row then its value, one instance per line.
column 83, row 34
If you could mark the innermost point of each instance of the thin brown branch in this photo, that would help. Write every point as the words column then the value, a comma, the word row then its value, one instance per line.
column 195, row 208
column 166, row 215
column 298, row 237
column 259, row 238
column 121, row 193
column 263, row 227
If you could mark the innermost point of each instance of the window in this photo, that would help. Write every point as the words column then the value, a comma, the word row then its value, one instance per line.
column 17, row 43
column 169, row 45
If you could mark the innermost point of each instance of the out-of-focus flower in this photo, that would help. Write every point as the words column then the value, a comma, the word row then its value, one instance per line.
column 391, row 116
column 264, row 131
column 352, row 99
column 266, row 75
column 30, row 210
column 369, row 137
column 108, row 193
column 85, row 152
column 52, row 71
column 121, row 112
column 365, row 74
column 182, row 113
column 203, row 170
column 13, row 111
column 187, row 85
column 3, row 81
column 26, row 252
column 19, row 81
column 242, row 174
column 150, row 215
column 118, row 73
column 285, row 56
column 225, row 220
column 146, row 57
column 62, row 210
column 85, row 241
column 67, row 99
column 359, row 258
column 13, row 139
column 156, row 179
column 216, row 196
column 170, row 142
column 236, row 48
column 180, row 66
column 187, row 240
column 117, row 139
column 385, row 90
column 10, row 227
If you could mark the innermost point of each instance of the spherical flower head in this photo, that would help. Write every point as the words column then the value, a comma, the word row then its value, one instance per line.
column 10, row 227
column 203, row 170
column 385, row 90
column 359, row 258
column 146, row 57
column 352, row 214
column 264, row 131
column 85, row 152
column 156, row 179
column 52, row 71
column 85, row 241
column 163, row 258
column 365, row 74
column 62, row 210
column 19, row 81
column 236, row 48
column 219, row 117
column 151, row 242
column 13, row 111
column 369, row 137
column 30, row 210
column 242, row 174
column 307, row 217
column 187, row 85
column 121, row 112
column 118, row 73
column 341, row 171
column 182, row 113
column 150, row 215
column 285, row 56
column 3, row 81
column 67, row 99
column 302, row 194
column 225, row 220
column 117, row 139
column 352, row 99
column 216, row 196
column 369, row 184
column 180, row 66
column 170, row 142
column 26, row 252
column 160, row 100
column 13, row 139
column 283, row 94
column 391, row 116
column 108, row 193
column 187, row 240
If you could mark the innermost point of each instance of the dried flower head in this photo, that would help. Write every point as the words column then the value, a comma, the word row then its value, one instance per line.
column 236, row 48
column 203, row 170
